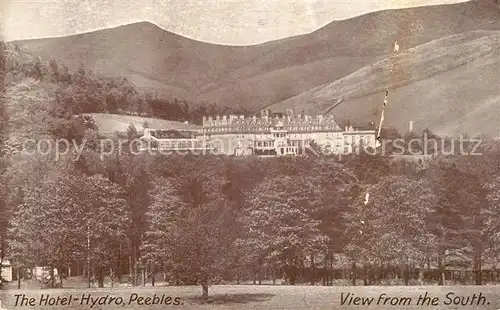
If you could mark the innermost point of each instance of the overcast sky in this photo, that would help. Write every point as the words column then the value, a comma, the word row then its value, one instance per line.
column 236, row 22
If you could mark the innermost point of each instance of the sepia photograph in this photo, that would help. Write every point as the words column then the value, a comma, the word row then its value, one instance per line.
column 250, row 154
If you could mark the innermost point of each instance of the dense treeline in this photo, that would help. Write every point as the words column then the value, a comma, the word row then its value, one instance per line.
column 207, row 219
column 224, row 219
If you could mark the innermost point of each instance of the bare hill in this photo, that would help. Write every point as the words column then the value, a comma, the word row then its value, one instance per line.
column 448, row 85
column 342, row 47
column 149, row 55
column 256, row 76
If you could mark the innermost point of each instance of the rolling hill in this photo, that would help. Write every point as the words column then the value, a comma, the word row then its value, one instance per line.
column 449, row 85
column 259, row 75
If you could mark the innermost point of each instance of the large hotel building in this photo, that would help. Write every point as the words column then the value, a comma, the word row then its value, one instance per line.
column 278, row 135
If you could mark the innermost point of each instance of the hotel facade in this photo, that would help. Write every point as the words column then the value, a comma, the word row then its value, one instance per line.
column 278, row 135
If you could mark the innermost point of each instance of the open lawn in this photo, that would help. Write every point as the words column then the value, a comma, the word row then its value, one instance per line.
column 110, row 123
column 260, row 297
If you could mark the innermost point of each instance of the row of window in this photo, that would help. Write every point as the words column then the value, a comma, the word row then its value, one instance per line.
column 290, row 143
column 289, row 150
column 347, row 139
column 264, row 144
column 181, row 144
column 257, row 129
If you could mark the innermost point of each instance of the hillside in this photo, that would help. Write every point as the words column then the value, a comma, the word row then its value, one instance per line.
column 449, row 85
column 342, row 47
column 259, row 75
column 149, row 55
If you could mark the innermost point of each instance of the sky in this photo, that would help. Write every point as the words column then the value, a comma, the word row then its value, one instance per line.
column 232, row 22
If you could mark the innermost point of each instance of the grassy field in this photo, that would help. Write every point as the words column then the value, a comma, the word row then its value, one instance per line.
column 261, row 297
column 110, row 123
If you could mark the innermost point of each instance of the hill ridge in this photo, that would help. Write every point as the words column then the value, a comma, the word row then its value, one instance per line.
column 435, row 69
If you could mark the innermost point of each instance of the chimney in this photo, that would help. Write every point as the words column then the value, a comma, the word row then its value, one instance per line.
column 320, row 118
column 410, row 125
column 265, row 114
column 204, row 120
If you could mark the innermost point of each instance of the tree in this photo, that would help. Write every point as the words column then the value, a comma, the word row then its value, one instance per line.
column 474, row 181
column 201, row 226
column 337, row 186
column 164, row 213
column 207, row 229
column 104, row 220
column 131, row 132
column 53, row 226
column 202, row 252
column 4, row 220
column 392, row 225
column 26, row 105
column 461, row 212
column 54, row 70
column 43, row 226
column 492, row 223
column 279, row 228
column 137, row 180
column 65, row 76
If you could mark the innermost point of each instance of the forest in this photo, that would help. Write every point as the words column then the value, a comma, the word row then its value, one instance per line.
column 218, row 219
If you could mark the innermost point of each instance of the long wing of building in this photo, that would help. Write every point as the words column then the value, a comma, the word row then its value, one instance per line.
column 280, row 135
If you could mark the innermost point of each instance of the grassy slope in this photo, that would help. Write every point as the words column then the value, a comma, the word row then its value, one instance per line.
column 274, row 86
column 109, row 123
column 449, row 85
column 342, row 47
column 146, row 52
column 256, row 76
